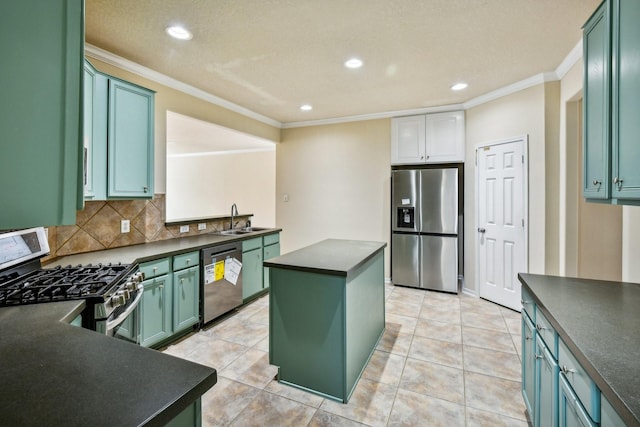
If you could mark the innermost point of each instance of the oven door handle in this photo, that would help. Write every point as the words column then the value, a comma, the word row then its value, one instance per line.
column 121, row 318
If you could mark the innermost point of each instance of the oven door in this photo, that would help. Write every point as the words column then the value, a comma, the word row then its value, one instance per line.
column 123, row 322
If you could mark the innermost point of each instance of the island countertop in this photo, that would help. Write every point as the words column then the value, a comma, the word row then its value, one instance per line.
column 332, row 256
column 56, row 374
column 600, row 323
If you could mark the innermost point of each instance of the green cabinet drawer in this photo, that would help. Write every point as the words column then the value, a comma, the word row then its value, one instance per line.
column 187, row 260
column 155, row 268
column 546, row 332
column 271, row 239
column 528, row 305
column 583, row 386
column 248, row 245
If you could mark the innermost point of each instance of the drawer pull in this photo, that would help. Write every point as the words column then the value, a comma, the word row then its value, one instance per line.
column 523, row 302
column 566, row 370
column 155, row 268
column 538, row 356
column 540, row 328
column 527, row 337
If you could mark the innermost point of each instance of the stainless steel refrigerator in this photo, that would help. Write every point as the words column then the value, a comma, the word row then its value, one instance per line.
column 426, row 221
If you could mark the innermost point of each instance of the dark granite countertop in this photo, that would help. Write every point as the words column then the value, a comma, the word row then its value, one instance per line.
column 331, row 256
column 600, row 323
column 154, row 250
column 55, row 374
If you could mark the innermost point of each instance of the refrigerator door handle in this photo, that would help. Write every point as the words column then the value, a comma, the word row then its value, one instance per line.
column 481, row 230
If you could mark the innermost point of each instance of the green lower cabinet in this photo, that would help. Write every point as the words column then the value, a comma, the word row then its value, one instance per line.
column 155, row 310
column 571, row 412
column 528, row 366
column 251, row 267
column 546, row 386
column 270, row 251
column 190, row 417
column 186, row 291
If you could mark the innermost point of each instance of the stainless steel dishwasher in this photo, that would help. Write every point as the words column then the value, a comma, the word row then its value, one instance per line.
column 221, row 283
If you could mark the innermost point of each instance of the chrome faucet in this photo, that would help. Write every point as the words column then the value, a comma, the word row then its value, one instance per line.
column 234, row 208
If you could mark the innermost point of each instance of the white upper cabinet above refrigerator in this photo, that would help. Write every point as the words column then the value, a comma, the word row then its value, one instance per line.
column 428, row 138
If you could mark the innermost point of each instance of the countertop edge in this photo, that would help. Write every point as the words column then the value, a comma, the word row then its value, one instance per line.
column 598, row 378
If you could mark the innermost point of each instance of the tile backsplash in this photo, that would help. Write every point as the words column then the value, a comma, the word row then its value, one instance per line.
column 98, row 227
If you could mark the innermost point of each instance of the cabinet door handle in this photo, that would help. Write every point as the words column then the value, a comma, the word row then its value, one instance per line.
column 161, row 286
column 155, row 269
column 182, row 280
column 540, row 328
column 596, row 182
column 538, row 356
column 566, row 370
column 523, row 302
column 526, row 337
column 146, row 189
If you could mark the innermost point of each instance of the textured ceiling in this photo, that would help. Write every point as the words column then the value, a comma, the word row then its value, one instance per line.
column 271, row 56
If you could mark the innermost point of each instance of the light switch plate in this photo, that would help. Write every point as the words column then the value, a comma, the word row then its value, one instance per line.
column 202, row 226
column 184, row 228
column 125, row 226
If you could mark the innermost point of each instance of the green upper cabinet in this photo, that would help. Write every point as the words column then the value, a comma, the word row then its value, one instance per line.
column 626, row 99
column 42, row 45
column 118, row 138
column 597, row 75
column 611, row 42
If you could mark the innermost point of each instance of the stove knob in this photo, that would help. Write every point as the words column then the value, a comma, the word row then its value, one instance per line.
column 130, row 286
column 138, row 277
column 117, row 300
column 125, row 293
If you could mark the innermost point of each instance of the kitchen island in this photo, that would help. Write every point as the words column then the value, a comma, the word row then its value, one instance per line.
column 326, row 314
column 598, row 322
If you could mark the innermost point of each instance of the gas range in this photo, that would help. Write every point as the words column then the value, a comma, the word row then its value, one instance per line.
column 111, row 291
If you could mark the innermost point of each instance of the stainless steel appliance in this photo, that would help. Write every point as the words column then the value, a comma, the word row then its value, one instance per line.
column 426, row 221
column 221, row 272
column 111, row 292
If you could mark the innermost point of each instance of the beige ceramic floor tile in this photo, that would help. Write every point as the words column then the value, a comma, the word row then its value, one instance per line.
column 216, row 353
column 251, row 368
column 439, row 330
column 409, row 295
column 479, row 305
column 385, row 368
column 433, row 380
column 413, row 409
column 268, row 409
column 490, row 362
column 263, row 344
column 395, row 342
column 370, row 403
column 517, row 343
column 400, row 324
column 326, row 419
column 494, row 322
column 242, row 332
column 494, row 395
column 440, row 314
column 478, row 418
column 442, row 352
column 293, row 393
column 402, row 308
column 514, row 325
column 489, row 339
column 225, row 401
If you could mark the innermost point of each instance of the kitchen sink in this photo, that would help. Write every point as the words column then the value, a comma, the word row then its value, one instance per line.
column 233, row 232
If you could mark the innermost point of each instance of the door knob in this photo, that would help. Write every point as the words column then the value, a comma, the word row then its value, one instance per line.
column 481, row 230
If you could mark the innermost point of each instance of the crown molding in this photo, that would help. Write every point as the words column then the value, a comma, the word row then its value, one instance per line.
column 374, row 116
column 572, row 59
column 125, row 64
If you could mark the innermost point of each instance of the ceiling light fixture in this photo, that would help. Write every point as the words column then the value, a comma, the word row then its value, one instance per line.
column 459, row 86
column 306, row 107
column 353, row 63
column 179, row 32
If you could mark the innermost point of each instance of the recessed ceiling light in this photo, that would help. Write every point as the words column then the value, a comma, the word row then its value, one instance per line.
column 179, row 32
column 353, row 63
column 459, row 86
column 306, row 107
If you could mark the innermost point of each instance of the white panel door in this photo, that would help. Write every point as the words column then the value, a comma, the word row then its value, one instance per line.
column 501, row 220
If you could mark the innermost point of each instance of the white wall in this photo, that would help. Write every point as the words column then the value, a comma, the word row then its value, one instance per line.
column 337, row 178
column 207, row 185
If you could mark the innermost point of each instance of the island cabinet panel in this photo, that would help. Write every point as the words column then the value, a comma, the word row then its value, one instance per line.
column 324, row 325
column 41, row 44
